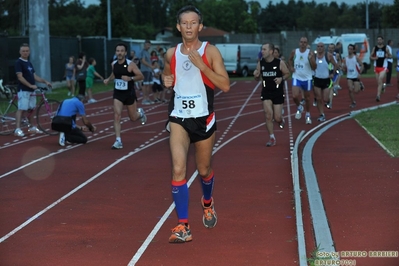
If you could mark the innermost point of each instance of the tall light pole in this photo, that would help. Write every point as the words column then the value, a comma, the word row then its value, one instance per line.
column 367, row 14
column 109, row 19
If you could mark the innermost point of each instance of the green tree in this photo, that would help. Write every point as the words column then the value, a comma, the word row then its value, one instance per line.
column 390, row 15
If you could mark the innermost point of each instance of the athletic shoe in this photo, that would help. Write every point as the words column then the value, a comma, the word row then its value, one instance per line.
column 321, row 118
column 282, row 124
column 302, row 102
column 361, row 86
column 61, row 139
column 377, row 99
column 383, row 88
column 298, row 114
column 335, row 90
column 92, row 101
column 19, row 133
column 181, row 234
column 34, row 130
column 353, row 105
column 117, row 145
column 209, row 219
column 315, row 102
column 308, row 121
column 143, row 117
column 271, row 142
column 146, row 102
column 328, row 105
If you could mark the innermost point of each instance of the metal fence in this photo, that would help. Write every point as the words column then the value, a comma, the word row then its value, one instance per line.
column 102, row 49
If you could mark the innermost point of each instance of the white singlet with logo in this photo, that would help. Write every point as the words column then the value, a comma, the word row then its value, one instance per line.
column 303, row 71
column 351, row 67
column 190, row 99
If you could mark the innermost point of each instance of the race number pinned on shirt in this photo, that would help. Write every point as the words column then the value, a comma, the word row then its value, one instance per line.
column 189, row 105
column 380, row 54
column 120, row 84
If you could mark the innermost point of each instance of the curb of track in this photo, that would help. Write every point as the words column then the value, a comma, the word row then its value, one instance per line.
column 323, row 236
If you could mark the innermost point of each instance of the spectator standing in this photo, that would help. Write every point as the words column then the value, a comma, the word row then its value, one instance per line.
column 72, row 107
column 161, row 63
column 27, row 79
column 91, row 74
column 154, row 56
column 70, row 71
column 81, row 69
column 194, row 69
column 390, row 62
column 157, row 88
column 146, row 69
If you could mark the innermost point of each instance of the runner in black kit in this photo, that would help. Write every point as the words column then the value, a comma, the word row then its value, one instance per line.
column 273, row 72
column 125, row 73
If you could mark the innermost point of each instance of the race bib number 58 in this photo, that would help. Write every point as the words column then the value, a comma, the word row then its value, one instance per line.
column 189, row 105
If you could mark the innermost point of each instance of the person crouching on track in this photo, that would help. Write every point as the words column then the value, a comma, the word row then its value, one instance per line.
column 273, row 72
column 71, row 107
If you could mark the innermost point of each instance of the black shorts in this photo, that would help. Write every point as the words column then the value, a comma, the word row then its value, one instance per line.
column 322, row 83
column 199, row 128
column 156, row 87
column 276, row 96
column 127, row 97
column 354, row 80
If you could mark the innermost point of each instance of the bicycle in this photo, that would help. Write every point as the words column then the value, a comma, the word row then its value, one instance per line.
column 7, row 90
column 45, row 109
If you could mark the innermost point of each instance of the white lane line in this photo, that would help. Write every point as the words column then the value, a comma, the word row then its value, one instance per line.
column 321, row 227
column 298, row 204
column 76, row 189
column 216, row 148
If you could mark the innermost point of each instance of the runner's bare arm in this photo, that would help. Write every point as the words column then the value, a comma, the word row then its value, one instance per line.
column 138, row 75
column 167, row 77
column 291, row 61
column 257, row 71
column 284, row 69
column 217, row 73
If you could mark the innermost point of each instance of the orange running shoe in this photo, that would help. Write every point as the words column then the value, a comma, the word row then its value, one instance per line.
column 209, row 218
column 180, row 234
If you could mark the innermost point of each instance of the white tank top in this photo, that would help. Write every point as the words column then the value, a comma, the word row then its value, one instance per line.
column 322, row 70
column 352, row 67
column 191, row 97
column 303, row 71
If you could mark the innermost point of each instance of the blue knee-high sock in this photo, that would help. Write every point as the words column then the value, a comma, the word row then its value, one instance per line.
column 180, row 196
column 207, row 187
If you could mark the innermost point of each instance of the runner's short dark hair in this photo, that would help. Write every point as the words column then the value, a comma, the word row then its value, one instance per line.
column 186, row 9
column 121, row 44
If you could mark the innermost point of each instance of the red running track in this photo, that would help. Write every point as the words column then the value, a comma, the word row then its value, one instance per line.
column 90, row 205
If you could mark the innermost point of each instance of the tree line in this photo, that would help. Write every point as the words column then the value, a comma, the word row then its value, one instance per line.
column 144, row 18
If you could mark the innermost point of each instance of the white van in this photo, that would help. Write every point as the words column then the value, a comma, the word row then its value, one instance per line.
column 326, row 40
column 362, row 45
column 239, row 58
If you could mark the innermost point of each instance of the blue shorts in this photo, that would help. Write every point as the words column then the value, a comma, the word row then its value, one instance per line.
column 148, row 79
column 305, row 85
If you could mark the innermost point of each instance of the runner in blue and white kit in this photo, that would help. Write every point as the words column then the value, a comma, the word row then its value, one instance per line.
column 302, row 64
